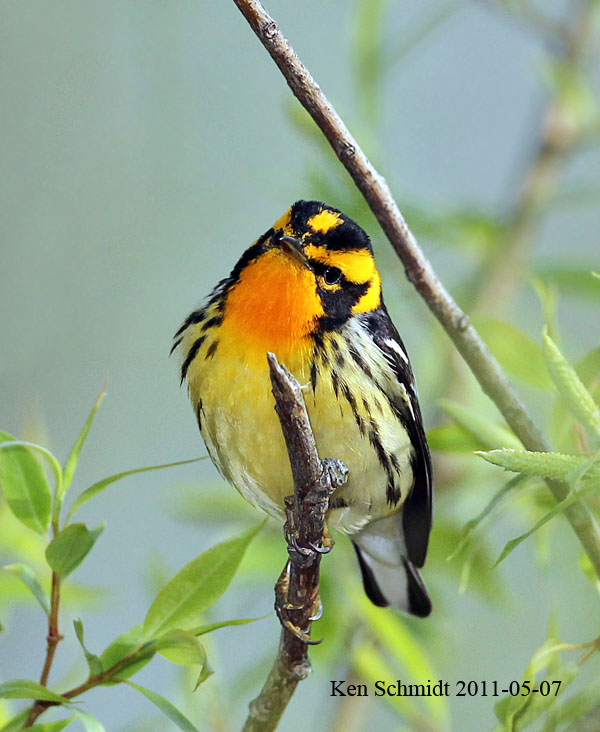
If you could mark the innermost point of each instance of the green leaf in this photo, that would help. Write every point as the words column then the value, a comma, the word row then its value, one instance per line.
column 71, row 461
column 98, row 487
column 166, row 708
column 548, row 300
column 545, row 464
column 372, row 665
column 182, row 647
column 90, row 723
column 24, row 483
column 472, row 525
column 69, row 548
column 571, row 388
column 205, row 672
column 197, row 586
column 559, row 508
column 394, row 634
column 519, row 354
column 16, row 723
column 93, row 662
column 452, row 437
column 130, row 643
column 203, row 629
column 51, row 726
column 25, row 689
column 518, row 712
column 588, row 369
column 481, row 429
column 29, row 578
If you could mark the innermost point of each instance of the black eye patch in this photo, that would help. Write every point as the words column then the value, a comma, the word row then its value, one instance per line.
column 332, row 275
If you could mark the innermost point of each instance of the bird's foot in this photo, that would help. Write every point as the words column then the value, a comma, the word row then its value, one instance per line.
column 283, row 607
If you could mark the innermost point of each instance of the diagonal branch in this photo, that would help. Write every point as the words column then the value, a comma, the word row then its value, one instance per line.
column 419, row 271
column 298, row 587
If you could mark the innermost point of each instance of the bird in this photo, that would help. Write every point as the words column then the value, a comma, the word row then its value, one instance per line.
column 308, row 290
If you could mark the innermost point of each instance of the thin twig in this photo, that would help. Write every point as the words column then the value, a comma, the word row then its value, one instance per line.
column 314, row 480
column 53, row 639
column 419, row 271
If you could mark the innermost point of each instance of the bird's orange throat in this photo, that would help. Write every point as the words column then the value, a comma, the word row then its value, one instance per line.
column 274, row 306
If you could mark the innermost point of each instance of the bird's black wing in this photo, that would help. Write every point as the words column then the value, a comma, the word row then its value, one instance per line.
column 417, row 509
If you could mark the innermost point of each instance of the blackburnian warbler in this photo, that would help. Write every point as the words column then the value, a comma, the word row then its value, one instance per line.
column 308, row 290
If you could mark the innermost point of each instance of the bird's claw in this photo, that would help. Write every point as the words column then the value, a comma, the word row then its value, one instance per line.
column 317, row 611
column 324, row 549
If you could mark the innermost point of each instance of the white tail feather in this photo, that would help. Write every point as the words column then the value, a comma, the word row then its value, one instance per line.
column 389, row 575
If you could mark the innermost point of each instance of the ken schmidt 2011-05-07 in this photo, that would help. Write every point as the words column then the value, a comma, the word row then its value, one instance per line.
column 385, row 688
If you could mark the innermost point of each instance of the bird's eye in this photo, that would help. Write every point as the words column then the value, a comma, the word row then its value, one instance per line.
column 332, row 275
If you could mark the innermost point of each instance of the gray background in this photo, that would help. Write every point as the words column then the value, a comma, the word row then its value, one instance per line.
column 143, row 147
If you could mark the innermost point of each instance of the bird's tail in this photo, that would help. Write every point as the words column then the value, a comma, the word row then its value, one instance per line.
column 389, row 577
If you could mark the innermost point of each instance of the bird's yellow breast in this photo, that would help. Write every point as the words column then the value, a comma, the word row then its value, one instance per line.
column 231, row 391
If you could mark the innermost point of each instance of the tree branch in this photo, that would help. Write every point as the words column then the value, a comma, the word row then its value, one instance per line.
column 297, row 589
column 418, row 269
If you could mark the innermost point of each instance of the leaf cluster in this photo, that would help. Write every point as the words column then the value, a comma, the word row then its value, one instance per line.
column 174, row 622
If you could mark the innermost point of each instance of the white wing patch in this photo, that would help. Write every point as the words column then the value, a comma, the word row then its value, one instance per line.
column 395, row 346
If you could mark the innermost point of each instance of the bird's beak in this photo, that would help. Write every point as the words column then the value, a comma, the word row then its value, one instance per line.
column 293, row 247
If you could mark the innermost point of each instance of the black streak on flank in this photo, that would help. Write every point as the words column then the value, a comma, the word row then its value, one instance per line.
column 196, row 317
column 199, row 413
column 314, row 374
column 352, row 402
column 392, row 493
column 396, row 463
column 335, row 382
column 176, row 343
column 211, row 349
column 317, row 337
column 212, row 322
column 361, row 363
column 192, row 353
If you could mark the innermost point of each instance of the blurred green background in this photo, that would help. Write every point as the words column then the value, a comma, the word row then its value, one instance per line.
column 144, row 146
